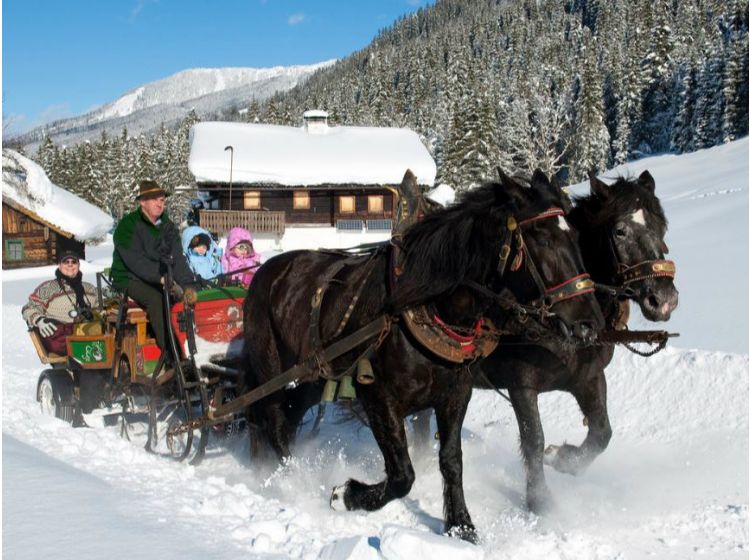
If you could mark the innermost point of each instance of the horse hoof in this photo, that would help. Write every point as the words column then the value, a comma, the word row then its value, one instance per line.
column 337, row 498
column 550, row 455
column 464, row 532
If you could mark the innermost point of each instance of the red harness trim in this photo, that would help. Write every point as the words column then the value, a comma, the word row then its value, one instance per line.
column 466, row 342
column 568, row 281
column 549, row 213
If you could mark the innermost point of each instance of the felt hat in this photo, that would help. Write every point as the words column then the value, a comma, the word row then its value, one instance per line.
column 149, row 189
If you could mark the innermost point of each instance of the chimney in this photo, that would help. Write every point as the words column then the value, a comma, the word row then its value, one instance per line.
column 316, row 121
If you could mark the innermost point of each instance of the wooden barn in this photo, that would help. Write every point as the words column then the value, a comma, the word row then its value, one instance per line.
column 308, row 186
column 41, row 219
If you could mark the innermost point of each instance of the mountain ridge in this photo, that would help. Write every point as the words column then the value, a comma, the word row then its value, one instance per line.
column 144, row 108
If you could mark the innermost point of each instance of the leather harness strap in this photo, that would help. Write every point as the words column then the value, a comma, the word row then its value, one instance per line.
column 646, row 269
column 573, row 287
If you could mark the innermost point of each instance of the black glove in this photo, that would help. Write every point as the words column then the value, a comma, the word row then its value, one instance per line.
column 177, row 292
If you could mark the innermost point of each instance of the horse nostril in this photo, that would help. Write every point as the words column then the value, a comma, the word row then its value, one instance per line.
column 653, row 301
column 563, row 328
column 584, row 330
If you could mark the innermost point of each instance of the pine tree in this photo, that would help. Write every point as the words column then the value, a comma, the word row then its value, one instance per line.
column 682, row 131
column 657, row 69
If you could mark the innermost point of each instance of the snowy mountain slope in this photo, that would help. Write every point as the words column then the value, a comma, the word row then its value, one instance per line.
column 143, row 108
column 672, row 485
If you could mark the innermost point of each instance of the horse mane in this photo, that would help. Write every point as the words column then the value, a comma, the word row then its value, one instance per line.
column 623, row 195
column 461, row 242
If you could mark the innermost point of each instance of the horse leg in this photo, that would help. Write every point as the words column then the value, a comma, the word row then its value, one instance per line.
column 264, row 364
column 538, row 496
column 388, row 428
column 592, row 399
column 450, row 417
column 420, row 423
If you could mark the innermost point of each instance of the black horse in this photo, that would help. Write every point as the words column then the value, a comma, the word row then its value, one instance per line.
column 621, row 230
column 450, row 259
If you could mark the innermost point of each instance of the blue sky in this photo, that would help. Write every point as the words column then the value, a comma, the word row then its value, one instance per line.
column 63, row 58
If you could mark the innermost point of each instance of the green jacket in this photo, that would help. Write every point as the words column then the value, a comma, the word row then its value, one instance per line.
column 140, row 247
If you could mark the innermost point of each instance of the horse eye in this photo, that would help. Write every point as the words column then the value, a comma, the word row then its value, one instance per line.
column 620, row 231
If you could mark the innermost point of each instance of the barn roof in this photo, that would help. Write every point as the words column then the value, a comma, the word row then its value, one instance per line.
column 295, row 156
column 27, row 188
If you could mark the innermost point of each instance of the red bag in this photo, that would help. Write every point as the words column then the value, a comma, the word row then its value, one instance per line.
column 56, row 342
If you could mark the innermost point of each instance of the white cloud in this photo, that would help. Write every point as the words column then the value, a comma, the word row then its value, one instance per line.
column 297, row 18
column 14, row 124
column 138, row 8
column 52, row 113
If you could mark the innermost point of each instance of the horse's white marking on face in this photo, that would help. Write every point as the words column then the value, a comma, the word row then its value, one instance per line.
column 638, row 217
column 563, row 223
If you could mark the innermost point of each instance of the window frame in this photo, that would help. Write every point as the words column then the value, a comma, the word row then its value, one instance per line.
column 380, row 198
column 304, row 196
column 353, row 199
column 251, row 195
column 10, row 246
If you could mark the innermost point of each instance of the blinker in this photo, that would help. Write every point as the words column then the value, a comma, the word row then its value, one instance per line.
column 664, row 266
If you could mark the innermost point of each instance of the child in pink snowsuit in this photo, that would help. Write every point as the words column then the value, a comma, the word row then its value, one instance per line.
column 240, row 254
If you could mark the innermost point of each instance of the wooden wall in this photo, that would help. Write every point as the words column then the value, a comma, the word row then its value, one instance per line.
column 324, row 205
column 40, row 242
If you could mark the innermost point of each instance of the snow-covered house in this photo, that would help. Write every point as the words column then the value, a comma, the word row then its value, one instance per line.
column 282, row 181
column 41, row 219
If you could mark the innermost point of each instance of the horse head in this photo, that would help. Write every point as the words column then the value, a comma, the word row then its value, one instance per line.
column 506, row 235
column 545, row 267
column 622, row 235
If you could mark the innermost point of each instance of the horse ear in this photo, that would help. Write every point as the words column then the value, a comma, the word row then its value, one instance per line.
column 409, row 182
column 502, row 176
column 646, row 180
column 539, row 178
column 599, row 188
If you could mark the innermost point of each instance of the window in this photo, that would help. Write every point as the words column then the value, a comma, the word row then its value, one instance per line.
column 301, row 200
column 347, row 204
column 14, row 249
column 375, row 204
column 251, row 200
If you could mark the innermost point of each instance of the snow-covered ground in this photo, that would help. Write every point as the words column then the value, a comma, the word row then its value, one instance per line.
column 673, row 483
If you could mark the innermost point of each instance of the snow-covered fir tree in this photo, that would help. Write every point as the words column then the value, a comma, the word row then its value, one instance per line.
column 657, row 75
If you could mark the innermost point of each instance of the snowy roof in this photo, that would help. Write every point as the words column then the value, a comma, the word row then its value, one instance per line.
column 291, row 156
column 26, row 184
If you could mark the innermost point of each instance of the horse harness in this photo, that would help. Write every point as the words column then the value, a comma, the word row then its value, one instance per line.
column 460, row 345
column 624, row 277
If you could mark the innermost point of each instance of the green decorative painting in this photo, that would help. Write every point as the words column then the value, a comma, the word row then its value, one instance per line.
column 89, row 352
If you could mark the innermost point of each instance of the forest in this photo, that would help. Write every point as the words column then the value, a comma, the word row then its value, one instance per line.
column 565, row 86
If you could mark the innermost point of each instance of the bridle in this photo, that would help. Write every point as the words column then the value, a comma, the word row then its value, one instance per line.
column 575, row 286
column 643, row 270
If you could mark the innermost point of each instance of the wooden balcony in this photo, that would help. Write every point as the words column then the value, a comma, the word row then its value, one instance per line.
column 221, row 221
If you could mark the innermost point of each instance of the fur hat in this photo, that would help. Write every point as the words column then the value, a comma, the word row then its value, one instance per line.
column 149, row 189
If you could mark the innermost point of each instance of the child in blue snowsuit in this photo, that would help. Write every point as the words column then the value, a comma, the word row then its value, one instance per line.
column 203, row 255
